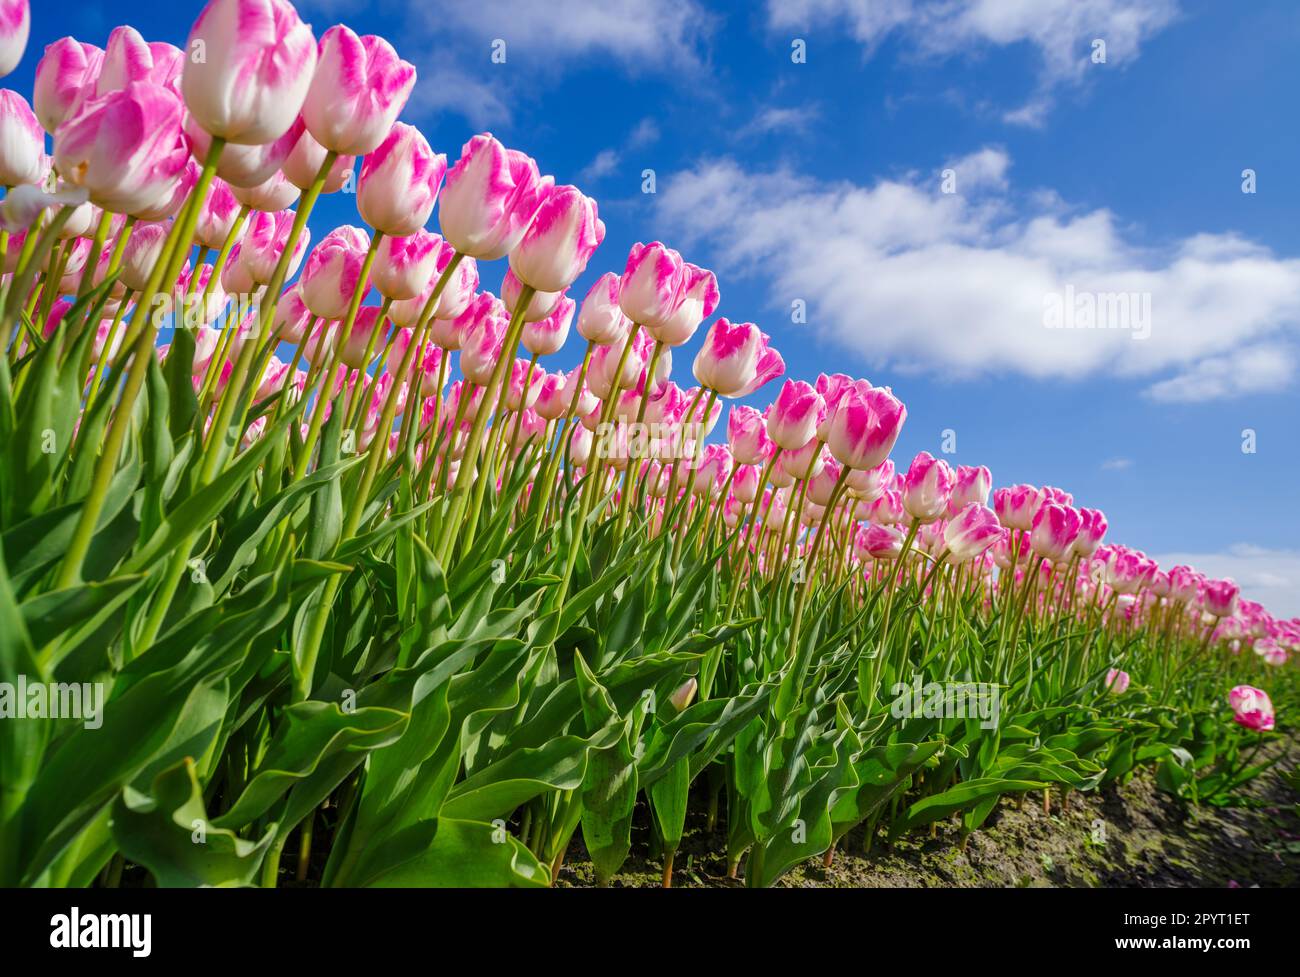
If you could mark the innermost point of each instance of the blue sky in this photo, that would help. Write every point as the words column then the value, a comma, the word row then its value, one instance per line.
column 823, row 182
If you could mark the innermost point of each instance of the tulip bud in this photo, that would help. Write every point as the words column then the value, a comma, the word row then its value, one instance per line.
column 793, row 417
column 865, row 426
column 305, row 160
column 359, row 89
column 128, row 58
column 682, row 696
column 65, row 78
column 972, row 485
column 1251, row 708
column 22, row 142
column 559, row 242
column 731, row 356
column 273, row 195
column 696, row 301
column 601, row 320
column 264, row 242
column 257, row 61
column 1017, row 506
column 546, row 337
column 490, row 197
column 1116, row 681
column 926, row 488
column 404, row 266
column 971, row 531
column 126, row 148
column 540, row 306
column 1054, row 531
column 217, row 216
column 481, row 346
column 15, row 26
column 399, row 182
column 1221, row 597
column 747, row 436
column 367, row 322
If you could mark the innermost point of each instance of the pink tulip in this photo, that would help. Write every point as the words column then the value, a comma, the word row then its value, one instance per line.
column 869, row 484
column 745, row 484
column 1092, row 530
column 1221, row 597
column 353, row 352
column 404, row 266
column 1054, row 531
column 126, row 149
column 244, row 167
column 1184, row 584
column 399, row 182
column 736, row 359
column 235, row 278
column 424, row 366
column 292, row 317
column 1116, row 681
column 332, row 274
column 712, row 470
column 1127, row 571
column 551, row 403
column 15, row 25
column 143, row 250
column 546, row 337
column 793, row 417
column 555, row 249
column 971, row 532
column 601, row 320
column 973, row 485
column 540, row 306
column 1251, row 708
column 273, row 195
column 65, row 78
column 490, row 198
column 22, row 142
column 865, row 426
column 264, row 242
column 832, row 387
column 651, row 286
column 516, row 395
column 696, row 301
column 258, row 60
column 359, row 89
column 806, row 461
column 128, row 58
column 747, row 436
column 305, row 160
column 217, row 216
column 881, row 542
column 926, row 487
column 822, row 485
column 587, row 401
column 1272, row 652
column 481, row 345
column 1017, row 506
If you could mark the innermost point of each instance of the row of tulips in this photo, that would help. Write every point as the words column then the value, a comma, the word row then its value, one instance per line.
column 448, row 619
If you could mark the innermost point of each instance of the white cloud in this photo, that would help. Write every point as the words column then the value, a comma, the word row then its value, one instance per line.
column 1255, row 369
column 606, row 161
column 778, row 119
column 1116, row 464
column 1060, row 31
column 963, row 284
column 444, row 87
column 1269, row 576
column 641, row 35
column 981, row 170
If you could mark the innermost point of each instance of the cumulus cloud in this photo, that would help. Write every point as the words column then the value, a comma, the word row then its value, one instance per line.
column 992, row 280
column 1061, row 32
column 607, row 161
column 1270, row 576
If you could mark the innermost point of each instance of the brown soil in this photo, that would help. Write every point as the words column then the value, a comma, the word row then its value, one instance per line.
column 1126, row 836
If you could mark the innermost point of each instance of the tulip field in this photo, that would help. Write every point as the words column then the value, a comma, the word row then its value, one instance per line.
column 315, row 570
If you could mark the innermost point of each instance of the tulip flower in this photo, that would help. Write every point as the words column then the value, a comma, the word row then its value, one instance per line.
column 865, row 426
column 559, row 242
column 971, row 531
column 332, row 273
column 745, row 483
column 736, row 359
column 1251, row 708
column 927, row 487
column 806, row 461
column 793, row 417
column 547, row 336
column 257, row 61
column 126, row 149
column 601, row 319
column 217, row 216
column 128, row 58
column 481, row 346
column 245, row 167
column 973, row 485
column 275, row 194
column 22, row 142
column 1092, row 530
column 306, row 158
column 264, row 242
column 696, row 300
column 551, row 403
column 747, row 436
column 359, row 89
column 881, row 542
column 540, row 305
column 1017, row 506
column 490, row 198
column 143, row 250
column 404, row 266
column 65, row 78
column 1116, row 681
column 683, row 694
column 399, row 182
column 363, row 337
column 516, row 396
column 15, row 25
column 1221, row 597
column 1054, row 531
